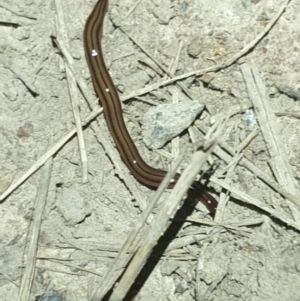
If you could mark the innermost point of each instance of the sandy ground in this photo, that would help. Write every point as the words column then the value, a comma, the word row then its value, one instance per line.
column 252, row 250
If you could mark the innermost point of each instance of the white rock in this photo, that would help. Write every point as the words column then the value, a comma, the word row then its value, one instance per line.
column 164, row 122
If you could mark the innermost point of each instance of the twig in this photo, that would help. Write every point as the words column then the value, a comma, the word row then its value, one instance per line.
column 269, row 127
column 74, row 97
column 122, row 259
column 224, row 196
column 15, row 20
column 249, row 200
column 288, row 114
column 234, row 226
column 27, row 279
column 248, row 139
column 88, row 96
column 73, row 266
column 270, row 131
